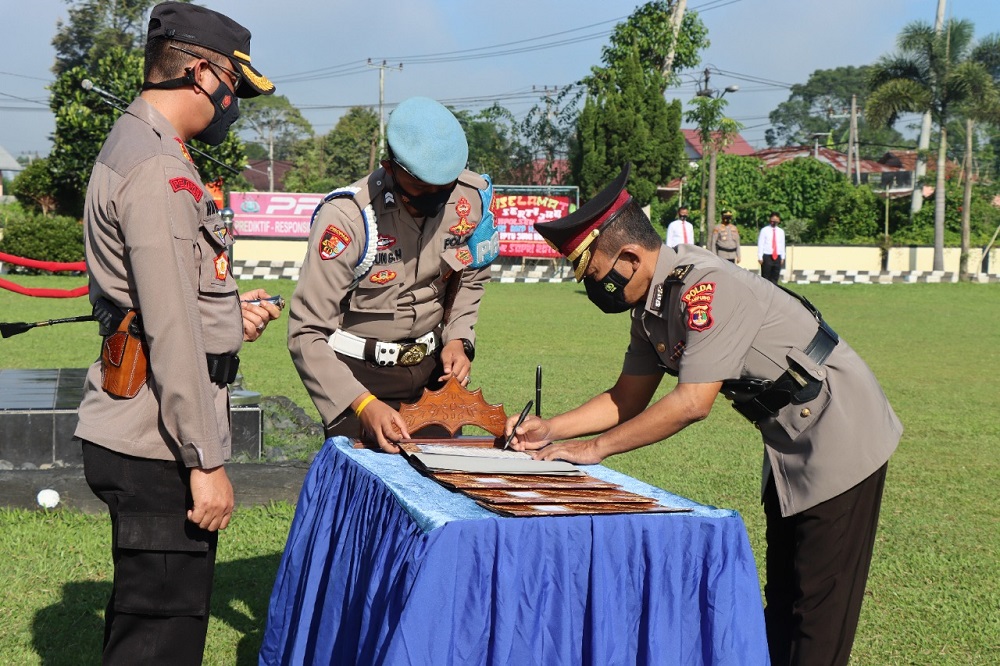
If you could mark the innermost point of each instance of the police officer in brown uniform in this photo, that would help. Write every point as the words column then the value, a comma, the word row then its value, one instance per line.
column 388, row 295
column 827, row 427
column 155, row 437
column 725, row 240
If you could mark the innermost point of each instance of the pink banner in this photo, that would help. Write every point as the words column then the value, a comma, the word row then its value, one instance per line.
column 273, row 214
column 516, row 215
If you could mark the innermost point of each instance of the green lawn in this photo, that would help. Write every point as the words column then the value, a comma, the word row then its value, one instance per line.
column 933, row 596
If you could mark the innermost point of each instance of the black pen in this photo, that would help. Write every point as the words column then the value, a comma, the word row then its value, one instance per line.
column 277, row 300
column 520, row 420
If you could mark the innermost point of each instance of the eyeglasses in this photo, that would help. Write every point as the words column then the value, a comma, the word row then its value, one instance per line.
column 234, row 77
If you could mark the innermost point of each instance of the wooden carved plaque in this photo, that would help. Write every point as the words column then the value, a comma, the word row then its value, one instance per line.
column 452, row 407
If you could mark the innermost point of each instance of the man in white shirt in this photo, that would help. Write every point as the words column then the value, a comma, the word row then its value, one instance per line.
column 680, row 230
column 771, row 249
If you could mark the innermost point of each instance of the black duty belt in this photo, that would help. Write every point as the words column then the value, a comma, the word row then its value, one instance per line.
column 761, row 399
column 222, row 368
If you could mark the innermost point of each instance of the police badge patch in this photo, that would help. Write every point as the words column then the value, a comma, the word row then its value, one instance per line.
column 333, row 243
column 699, row 306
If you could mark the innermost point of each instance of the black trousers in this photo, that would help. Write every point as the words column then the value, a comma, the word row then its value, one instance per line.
column 164, row 565
column 817, row 567
column 771, row 269
column 392, row 385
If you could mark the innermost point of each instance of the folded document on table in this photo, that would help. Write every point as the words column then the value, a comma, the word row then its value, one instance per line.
column 473, row 460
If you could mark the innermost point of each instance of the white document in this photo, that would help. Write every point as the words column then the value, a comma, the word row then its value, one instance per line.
column 444, row 462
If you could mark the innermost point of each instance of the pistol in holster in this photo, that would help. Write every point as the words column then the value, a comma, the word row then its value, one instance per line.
column 124, row 354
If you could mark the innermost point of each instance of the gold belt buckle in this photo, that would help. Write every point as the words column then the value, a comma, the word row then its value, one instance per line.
column 411, row 353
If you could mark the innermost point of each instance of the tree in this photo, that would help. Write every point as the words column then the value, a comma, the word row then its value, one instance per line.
column 94, row 27
column 819, row 106
column 84, row 119
column 716, row 132
column 628, row 120
column 648, row 28
column 34, row 187
column 740, row 189
column 339, row 158
column 495, row 147
column 936, row 72
column 276, row 124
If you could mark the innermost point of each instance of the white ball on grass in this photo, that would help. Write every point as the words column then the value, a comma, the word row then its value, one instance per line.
column 48, row 498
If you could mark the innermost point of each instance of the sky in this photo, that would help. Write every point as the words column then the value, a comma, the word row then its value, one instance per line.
column 469, row 55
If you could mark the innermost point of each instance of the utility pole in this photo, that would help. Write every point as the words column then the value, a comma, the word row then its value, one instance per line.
column 709, row 143
column 853, row 158
column 381, row 100
column 676, row 18
column 924, row 144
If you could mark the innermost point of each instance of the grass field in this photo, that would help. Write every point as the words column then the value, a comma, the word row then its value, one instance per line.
column 934, row 592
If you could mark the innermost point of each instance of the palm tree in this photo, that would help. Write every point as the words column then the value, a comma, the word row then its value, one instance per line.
column 938, row 72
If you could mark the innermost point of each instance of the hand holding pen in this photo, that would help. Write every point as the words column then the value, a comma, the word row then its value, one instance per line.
column 258, row 308
column 517, row 424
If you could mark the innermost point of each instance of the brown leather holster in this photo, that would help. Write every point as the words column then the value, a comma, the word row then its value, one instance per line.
column 124, row 359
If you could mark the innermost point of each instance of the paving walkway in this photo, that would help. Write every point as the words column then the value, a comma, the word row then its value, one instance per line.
column 254, row 483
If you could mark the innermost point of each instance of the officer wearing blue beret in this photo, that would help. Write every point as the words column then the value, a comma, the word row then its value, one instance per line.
column 388, row 295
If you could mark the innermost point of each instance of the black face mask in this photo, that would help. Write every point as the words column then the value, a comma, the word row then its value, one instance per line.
column 227, row 107
column 227, row 110
column 426, row 205
column 608, row 294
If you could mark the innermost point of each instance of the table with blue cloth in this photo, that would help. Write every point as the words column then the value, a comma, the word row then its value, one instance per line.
column 386, row 566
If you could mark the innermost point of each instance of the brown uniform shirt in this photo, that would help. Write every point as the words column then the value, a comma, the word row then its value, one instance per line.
column 155, row 243
column 401, row 297
column 723, row 322
column 725, row 241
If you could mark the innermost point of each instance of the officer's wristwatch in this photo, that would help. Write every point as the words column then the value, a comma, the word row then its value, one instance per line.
column 470, row 349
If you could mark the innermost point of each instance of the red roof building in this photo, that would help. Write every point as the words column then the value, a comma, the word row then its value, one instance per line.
column 694, row 151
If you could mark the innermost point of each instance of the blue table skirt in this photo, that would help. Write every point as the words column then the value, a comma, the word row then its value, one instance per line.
column 385, row 566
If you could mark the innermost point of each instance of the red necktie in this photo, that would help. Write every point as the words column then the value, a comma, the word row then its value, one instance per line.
column 774, row 243
column 684, row 226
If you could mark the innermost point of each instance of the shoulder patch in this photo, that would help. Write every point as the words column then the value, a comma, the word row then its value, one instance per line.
column 699, row 306
column 188, row 185
column 333, row 243
column 679, row 273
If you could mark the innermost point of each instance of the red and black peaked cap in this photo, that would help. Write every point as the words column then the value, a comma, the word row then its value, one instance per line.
column 573, row 235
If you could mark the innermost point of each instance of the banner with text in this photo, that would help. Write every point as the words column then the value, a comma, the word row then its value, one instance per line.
column 516, row 215
column 273, row 214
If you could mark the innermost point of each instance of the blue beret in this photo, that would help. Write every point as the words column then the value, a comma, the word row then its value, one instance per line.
column 427, row 140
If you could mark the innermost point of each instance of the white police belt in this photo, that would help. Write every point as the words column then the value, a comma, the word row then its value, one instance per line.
column 384, row 353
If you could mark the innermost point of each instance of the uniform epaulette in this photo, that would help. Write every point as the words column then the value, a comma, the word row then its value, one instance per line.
column 679, row 273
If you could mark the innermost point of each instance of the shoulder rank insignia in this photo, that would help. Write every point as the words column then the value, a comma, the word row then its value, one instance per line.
column 658, row 298
column 679, row 273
